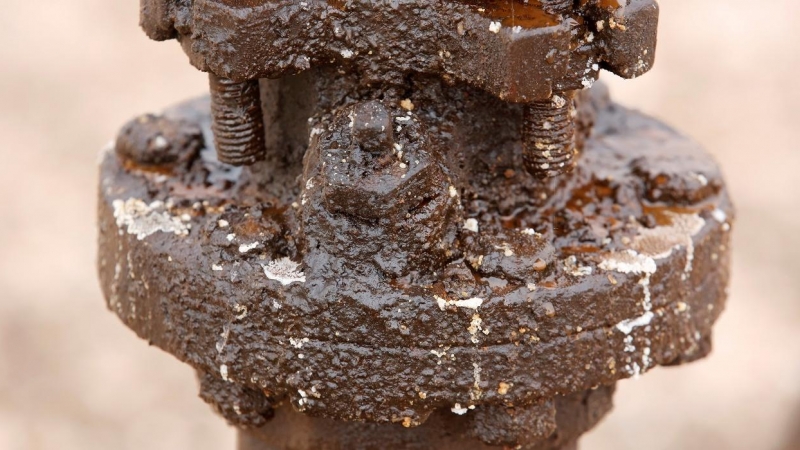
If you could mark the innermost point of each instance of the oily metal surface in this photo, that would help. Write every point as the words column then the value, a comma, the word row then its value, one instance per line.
column 542, row 289
column 520, row 51
column 572, row 416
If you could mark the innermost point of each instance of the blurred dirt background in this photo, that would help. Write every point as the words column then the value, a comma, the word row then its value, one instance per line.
column 72, row 377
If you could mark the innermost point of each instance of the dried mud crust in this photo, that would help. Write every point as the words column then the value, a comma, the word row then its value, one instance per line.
column 549, row 288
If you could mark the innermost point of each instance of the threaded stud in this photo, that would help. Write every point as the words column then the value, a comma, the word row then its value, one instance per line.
column 237, row 121
column 548, row 136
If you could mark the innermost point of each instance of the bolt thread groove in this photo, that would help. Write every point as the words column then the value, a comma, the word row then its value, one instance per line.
column 237, row 121
column 548, row 137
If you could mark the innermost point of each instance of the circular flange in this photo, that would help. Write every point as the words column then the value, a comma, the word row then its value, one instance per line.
column 552, row 288
column 520, row 51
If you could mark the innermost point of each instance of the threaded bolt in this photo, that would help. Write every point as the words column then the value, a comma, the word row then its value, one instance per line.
column 237, row 121
column 548, row 136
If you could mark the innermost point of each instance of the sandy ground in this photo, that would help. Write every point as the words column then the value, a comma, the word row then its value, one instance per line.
column 71, row 377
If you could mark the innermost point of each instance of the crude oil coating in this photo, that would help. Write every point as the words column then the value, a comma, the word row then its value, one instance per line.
column 512, row 13
column 364, row 337
column 444, row 430
column 520, row 54
column 412, row 224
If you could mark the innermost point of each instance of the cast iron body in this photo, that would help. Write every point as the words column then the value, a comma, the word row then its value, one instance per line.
column 440, row 238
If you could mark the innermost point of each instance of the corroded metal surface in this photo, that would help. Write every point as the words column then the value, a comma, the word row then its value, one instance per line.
column 533, row 52
column 516, row 50
column 548, row 136
column 237, row 121
column 552, row 425
column 538, row 290
column 441, row 238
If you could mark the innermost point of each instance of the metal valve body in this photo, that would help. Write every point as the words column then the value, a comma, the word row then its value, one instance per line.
column 412, row 224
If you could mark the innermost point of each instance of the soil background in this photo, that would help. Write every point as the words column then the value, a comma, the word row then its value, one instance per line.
column 72, row 377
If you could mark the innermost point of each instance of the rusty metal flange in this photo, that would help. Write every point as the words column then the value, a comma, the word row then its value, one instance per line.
column 520, row 51
column 457, row 288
